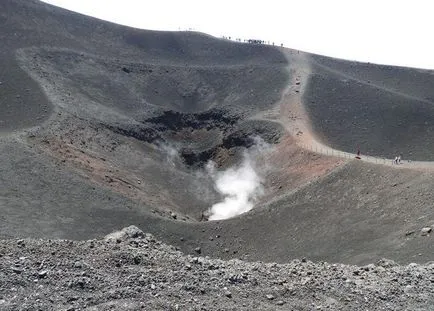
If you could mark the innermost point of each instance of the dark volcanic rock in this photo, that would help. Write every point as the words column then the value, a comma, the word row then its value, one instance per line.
column 162, row 280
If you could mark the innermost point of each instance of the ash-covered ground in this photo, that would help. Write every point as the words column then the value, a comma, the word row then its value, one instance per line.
column 175, row 131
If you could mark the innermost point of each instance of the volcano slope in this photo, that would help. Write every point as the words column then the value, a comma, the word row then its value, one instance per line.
column 385, row 110
column 111, row 106
column 105, row 126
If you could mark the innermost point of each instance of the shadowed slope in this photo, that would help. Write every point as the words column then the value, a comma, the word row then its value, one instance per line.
column 22, row 103
column 34, row 24
column 383, row 109
column 357, row 214
column 122, row 98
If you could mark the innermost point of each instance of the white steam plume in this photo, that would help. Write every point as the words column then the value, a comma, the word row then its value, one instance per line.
column 171, row 153
column 240, row 186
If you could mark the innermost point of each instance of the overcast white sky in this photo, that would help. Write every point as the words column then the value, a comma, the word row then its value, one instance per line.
column 381, row 31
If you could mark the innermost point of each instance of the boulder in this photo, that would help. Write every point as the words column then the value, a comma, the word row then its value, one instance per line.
column 426, row 231
column 131, row 232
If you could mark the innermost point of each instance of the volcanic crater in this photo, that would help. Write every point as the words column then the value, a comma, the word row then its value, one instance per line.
column 116, row 126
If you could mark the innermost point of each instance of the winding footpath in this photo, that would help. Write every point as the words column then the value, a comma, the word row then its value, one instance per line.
column 291, row 114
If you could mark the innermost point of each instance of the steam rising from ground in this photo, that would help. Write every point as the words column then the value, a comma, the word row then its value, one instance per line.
column 240, row 186
column 171, row 153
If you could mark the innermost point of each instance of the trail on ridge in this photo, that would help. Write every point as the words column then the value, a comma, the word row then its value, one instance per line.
column 290, row 112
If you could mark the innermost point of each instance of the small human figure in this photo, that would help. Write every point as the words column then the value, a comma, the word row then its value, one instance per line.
column 358, row 153
column 399, row 160
column 396, row 160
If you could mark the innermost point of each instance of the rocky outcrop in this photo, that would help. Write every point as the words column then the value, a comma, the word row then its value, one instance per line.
column 130, row 270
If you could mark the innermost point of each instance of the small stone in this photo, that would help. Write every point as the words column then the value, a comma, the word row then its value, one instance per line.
column 369, row 267
column 228, row 294
column 426, row 231
column 280, row 303
column 81, row 283
column 269, row 297
column 17, row 270
column 173, row 215
column 131, row 232
column 409, row 233
column 198, row 250
column 408, row 289
column 386, row 263
column 137, row 259
column 42, row 274
column 78, row 265
column 141, row 280
column 150, row 237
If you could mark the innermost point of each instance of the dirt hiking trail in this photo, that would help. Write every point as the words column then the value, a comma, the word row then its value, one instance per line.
column 291, row 114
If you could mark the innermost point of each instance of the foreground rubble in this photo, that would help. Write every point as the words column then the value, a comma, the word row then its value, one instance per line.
column 130, row 270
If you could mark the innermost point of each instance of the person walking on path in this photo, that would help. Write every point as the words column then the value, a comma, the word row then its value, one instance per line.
column 358, row 153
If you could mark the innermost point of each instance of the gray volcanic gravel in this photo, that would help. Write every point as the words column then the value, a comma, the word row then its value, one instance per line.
column 130, row 270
